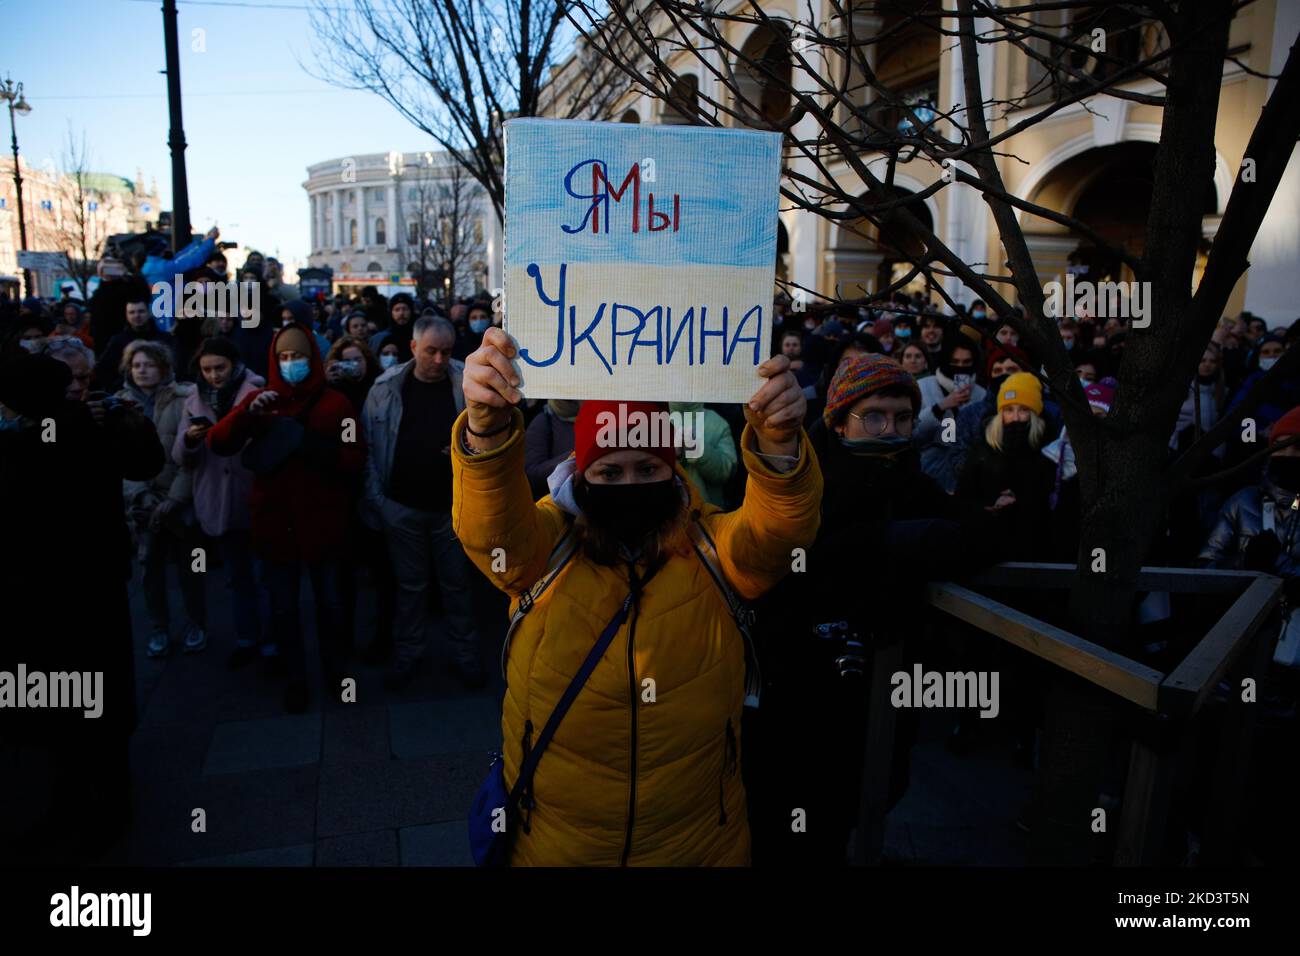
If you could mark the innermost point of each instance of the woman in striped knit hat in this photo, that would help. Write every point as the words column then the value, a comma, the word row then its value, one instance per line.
column 886, row 528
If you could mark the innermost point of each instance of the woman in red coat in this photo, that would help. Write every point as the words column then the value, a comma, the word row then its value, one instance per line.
column 299, row 510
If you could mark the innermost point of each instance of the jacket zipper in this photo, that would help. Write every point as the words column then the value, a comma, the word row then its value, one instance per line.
column 728, row 762
column 526, row 798
column 631, row 687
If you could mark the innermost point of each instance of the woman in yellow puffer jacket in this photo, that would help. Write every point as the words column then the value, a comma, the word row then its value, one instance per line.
column 645, row 768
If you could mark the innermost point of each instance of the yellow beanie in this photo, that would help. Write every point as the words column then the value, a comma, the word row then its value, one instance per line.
column 1022, row 389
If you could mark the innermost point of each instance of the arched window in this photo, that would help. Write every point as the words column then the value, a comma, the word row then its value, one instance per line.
column 352, row 232
column 375, row 267
column 763, row 73
column 630, row 116
column 683, row 102
column 381, row 235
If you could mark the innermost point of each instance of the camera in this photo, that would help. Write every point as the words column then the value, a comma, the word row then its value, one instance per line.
column 851, row 653
column 110, row 403
column 349, row 368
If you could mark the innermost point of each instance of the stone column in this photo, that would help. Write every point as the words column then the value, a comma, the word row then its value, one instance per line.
column 390, row 226
column 338, row 217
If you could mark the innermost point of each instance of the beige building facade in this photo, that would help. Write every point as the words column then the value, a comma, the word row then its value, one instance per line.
column 1090, row 160
column 113, row 205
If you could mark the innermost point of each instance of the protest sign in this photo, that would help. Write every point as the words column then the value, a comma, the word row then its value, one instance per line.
column 640, row 260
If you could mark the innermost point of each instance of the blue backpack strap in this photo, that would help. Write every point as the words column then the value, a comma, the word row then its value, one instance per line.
column 529, row 766
column 564, row 549
column 741, row 612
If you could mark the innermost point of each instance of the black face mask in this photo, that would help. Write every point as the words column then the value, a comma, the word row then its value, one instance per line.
column 630, row 512
column 995, row 384
column 1015, row 438
column 1284, row 471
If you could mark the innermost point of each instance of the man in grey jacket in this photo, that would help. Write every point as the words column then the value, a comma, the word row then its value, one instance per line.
column 407, row 423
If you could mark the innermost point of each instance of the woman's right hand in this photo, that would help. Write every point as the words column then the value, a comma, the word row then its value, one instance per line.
column 262, row 402
column 956, row 398
column 491, row 384
column 194, row 434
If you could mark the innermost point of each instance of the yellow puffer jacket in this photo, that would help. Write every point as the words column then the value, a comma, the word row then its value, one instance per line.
column 627, row 780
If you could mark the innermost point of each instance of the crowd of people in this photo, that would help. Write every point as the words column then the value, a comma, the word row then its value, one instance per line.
column 381, row 442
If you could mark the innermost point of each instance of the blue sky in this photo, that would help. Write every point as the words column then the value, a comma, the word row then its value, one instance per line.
column 254, row 119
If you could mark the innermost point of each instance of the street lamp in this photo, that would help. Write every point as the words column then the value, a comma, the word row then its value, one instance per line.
column 13, row 95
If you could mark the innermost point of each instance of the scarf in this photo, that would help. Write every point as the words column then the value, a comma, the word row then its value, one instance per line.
column 145, row 399
column 222, row 400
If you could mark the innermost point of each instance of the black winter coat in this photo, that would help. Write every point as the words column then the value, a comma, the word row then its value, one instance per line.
column 885, row 531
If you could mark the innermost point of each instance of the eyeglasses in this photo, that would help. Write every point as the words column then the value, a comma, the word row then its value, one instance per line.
column 874, row 423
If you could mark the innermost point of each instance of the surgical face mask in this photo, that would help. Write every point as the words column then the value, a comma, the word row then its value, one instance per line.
column 1267, row 363
column 977, row 314
column 1067, row 342
column 387, row 361
column 479, row 326
column 295, row 370
column 902, row 332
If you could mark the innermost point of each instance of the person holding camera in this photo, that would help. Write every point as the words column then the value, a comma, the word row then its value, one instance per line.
column 886, row 529
column 299, row 437
column 351, row 368
column 645, row 769
column 98, row 444
column 162, row 507
column 943, row 395
column 222, row 487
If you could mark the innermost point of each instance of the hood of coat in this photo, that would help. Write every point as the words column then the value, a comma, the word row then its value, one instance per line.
column 301, row 311
column 315, row 379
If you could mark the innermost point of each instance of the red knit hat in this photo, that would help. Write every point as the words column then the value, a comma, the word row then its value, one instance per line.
column 1000, row 353
column 1286, row 426
column 614, row 422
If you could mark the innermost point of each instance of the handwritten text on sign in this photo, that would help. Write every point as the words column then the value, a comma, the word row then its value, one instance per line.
column 639, row 260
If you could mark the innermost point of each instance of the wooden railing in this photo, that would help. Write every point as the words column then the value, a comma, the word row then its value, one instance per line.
column 1237, row 646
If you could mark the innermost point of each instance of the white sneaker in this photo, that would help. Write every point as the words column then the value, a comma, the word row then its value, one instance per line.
column 159, row 644
column 195, row 640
